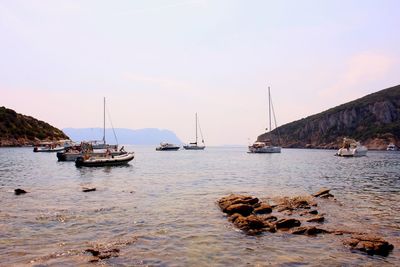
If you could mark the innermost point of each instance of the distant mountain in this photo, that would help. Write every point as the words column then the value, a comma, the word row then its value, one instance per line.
column 148, row 136
column 19, row 130
column 374, row 120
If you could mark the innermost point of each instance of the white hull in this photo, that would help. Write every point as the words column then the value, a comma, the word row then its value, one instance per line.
column 194, row 147
column 265, row 149
column 352, row 152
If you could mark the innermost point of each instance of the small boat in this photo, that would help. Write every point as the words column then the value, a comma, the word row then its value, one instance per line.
column 72, row 153
column 392, row 147
column 264, row 147
column 48, row 147
column 167, row 147
column 194, row 145
column 352, row 148
column 267, row 145
column 104, row 160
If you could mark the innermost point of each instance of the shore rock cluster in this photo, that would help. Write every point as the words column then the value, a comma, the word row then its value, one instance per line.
column 296, row 215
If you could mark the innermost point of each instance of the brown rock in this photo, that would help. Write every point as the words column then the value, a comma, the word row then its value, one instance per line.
column 19, row 191
column 251, row 222
column 232, row 199
column 287, row 223
column 369, row 244
column 262, row 208
column 322, row 191
column 242, row 209
column 307, row 230
column 317, row 218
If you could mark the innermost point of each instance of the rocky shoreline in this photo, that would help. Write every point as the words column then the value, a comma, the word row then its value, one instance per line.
column 295, row 215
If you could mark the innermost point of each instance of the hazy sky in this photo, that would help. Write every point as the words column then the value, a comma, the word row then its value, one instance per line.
column 159, row 62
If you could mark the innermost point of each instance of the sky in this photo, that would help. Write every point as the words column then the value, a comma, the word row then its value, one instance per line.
column 159, row 62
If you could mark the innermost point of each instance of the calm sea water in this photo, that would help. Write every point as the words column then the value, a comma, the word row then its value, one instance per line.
column 166, row 203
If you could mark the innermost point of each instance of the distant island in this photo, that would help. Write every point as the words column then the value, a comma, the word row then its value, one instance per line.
column 21, row 130
column 147, row 136
column 373, row 119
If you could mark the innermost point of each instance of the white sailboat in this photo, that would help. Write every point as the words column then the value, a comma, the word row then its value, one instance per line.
column 194, row 145
column 267, row 145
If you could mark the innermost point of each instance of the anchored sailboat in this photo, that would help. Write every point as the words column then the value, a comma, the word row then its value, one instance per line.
column 267, row 145
column 194, row 145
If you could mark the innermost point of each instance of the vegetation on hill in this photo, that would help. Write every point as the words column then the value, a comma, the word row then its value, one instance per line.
column 18, row 129
column 373, row 120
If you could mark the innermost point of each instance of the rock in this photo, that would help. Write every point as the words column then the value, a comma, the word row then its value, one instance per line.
column 88, row 189
column 19, row 191
column 326, row 195
column 287, row 223
column 101, row 254
column 314, row 212
column 322, row 191
column 242, row 209
column 232, row 199
column 307, row 230
column 262, row 208
column 270, row 219
column 369, row 244
column 251, row 222
column 317, row 218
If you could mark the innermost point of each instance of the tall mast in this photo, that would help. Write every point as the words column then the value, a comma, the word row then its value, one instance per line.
column 196, row 128
column 269, row 108
column 104, row 120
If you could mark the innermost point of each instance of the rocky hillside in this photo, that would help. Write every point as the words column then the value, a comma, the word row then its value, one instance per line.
column 374, row 120
column 20, row 130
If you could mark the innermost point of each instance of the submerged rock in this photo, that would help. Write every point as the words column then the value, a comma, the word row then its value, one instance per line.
column 323, row 193
column 101, row 254
column 19, row 191
column 317, row 218
column 307, row 230
column 88, row 189
column 287, row 223
column 369, row 244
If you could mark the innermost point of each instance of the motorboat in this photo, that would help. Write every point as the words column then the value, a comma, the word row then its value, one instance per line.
column 352, row 148
column 49, row 147
column 195, row 145
column 71, row 154
column 104, row 160
column 267, row 145
column 264, row 147
column 392, row 147
column 167, row 147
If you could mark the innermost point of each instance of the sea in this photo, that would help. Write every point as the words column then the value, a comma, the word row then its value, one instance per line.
column 161, row 209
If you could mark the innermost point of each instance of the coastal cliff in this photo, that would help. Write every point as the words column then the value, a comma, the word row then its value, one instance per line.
column 374, row 120
column 21, row 130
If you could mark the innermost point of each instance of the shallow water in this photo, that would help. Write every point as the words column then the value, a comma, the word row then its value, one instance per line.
column 160, row 210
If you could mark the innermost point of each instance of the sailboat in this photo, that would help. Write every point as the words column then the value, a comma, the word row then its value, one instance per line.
column 194, row 145
column 267, row 145
column 94, row 148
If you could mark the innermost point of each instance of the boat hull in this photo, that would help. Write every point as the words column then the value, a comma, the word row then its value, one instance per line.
column 356, row 152
column 102, row 162
column 194, row 147
column 65, row 156
column 168, row 148
column 49, row 150
column 265, row 149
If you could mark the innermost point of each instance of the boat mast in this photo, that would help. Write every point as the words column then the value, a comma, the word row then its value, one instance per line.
column 196, row 128
column 269, row 108
column 104, row 120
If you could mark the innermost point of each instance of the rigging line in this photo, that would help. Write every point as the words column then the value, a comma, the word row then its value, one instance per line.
column 276, row 125
column 201, row 134
column 109, row 117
